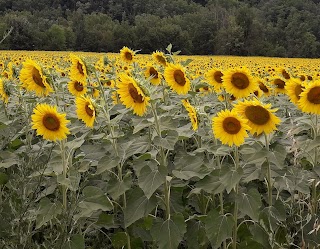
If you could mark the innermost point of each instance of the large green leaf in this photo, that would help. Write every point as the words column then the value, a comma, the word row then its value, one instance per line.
column 150, row 180
column 138, row 206
column 136, row 145
column 47, row 211
column 260, row 235
column 196, row 235
column 249, row 203
column 167, row 141
column 188, row 166
column 76, row 242
column 106, row 163
column 169, row 233
column 211, row 183
column 118, row 187
column 218, row 227
column 230, row 177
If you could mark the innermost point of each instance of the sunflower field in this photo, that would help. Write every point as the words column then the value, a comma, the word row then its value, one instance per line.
column 158, row 151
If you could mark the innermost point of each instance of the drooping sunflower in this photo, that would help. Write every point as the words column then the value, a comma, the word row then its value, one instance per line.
column 175, row 76
column 260, row 116
column 309, row 101
column 127, row 55
column 154, row 73
column 230, row 128
column 192, row 114
column 214, row 78
column 49, row 123
column 160, row 58
column 4, row 92
column 78, row 70
column 86, row 110
column 77, row 88
column 239, row 82
column 131, row 95
column 33, row 78
column 294, row 87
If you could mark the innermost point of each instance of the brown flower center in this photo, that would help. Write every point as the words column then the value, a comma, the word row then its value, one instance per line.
column 51, row 122
column 231, row 125
column 309, row 77
column 137, row 98
column 153, row 72
column 257, row 115
column 285, row 74
column 161, row 60
column 302, row 77
column 298, row 90
column 217, row 76
column 37, row 77
column 179, row 77
column 279, row 83
column 263, row 87
column 89, row 109
column 313, row 95
column 128, row 56
column 80, row 68
column 78, row 86
column 240, row 80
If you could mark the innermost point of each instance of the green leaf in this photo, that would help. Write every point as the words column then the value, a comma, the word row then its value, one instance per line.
column 169, row 47
column 196, row 235
column 4, row 178
column 138, row 206
column 150, row 180
column 47, row 211
column 135, row 146
column 168, row 141
column 188, row 166
column 260, row 235
column 117, row 188
column 106, row 220
column 211, row 183
column 169, row 233
column 230, row 177
column 76, row 242
column 119, row 240
column 106, row 163
column 139, row 124
column 93, row 199
column 249, row 203
column 218, row 227
column 93, row 152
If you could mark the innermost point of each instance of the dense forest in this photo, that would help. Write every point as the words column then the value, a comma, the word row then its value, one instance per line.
column 282, row 28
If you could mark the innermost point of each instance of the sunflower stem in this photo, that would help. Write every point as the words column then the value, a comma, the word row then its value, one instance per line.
column 64, row 172
column 224, row 243
column 314, row 186
column 269, row 183
column 235, row 211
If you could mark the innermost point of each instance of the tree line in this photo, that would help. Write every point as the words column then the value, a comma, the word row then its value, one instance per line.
column 281, row 28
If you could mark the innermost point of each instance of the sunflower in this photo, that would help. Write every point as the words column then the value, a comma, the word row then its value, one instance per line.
column 4, row 92
column 279, row 85
column 264, row 88
column 78, row 70
column 229, row 128
column 160, row 58
column 214, row 78
column 284, row 73
column 239, row 82
column 260, row 116
column 85, row 110
column 152, row 72
column 77, row 88
column 294, row 88
column 131, row 95
column 310, row 98
column 49, row 123
column 127, row 55
column 33, row 79
column 192, row 114
column 176, row 78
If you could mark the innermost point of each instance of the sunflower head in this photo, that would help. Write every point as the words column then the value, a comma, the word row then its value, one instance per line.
column 192, row 114
column 77, row 88
column 279, row 85
column 230, row 128
column 49, row 123
column 160, row 58
column 78, row 70
column 4, row 90
column 151, row 71
column 34, row 79
column 127, row 55
column 175, row 76
column 86, row 110
column 309, row 101
column 294, row 87
column 239, row 82
column 260, row 116
column 132, row 95
column 214, row 78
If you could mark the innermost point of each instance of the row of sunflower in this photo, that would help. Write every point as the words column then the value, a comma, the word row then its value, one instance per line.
column 223, row 98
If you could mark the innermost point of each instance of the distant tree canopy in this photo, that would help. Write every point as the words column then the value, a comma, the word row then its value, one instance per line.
column 283, row 28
